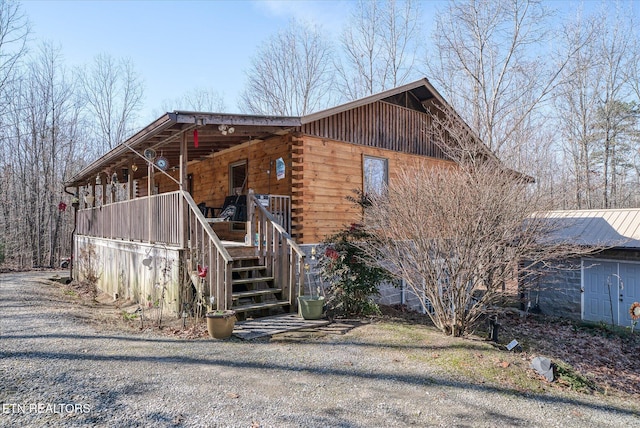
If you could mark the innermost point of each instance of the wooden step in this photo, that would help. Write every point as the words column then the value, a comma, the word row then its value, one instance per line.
column 251, row 280
column 253, row 293
column 248, row 268
column 258, row 306
column 242, row 252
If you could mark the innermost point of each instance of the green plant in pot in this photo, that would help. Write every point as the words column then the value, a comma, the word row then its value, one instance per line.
column 311, row 306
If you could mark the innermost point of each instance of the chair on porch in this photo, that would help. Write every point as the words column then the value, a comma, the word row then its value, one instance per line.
column 207, row 211
column 234, row 209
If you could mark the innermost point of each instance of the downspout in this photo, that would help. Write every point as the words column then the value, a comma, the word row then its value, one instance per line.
column 73, row 232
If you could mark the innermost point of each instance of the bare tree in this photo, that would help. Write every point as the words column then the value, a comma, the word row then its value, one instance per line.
column 576, row 102
column 14, row 31
column 456, row 233
column 41, row 146
column 614, row 44
column 113, row 91
column 379, row 45
column 200, row 99
column 596, row 108
column 492, row 61
column 291, row 74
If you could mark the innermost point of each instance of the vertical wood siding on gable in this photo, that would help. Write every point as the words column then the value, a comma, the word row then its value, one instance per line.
column 382, row 125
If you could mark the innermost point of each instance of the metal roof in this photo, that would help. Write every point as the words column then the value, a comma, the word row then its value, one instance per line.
column 164, row 135
column 618, row 228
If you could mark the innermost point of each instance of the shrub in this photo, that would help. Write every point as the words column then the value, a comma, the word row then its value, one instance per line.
column 353, row 278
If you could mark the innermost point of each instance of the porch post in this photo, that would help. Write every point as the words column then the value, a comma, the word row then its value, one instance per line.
column 150, row 186
column 92, row 186
column 130, row 182
column 104, row 189
column 250, row 238
column 184, row 157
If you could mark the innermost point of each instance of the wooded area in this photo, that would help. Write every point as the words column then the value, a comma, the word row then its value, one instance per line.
column 553, row 94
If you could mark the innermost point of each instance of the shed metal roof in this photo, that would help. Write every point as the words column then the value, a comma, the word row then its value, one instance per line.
column 618, row 228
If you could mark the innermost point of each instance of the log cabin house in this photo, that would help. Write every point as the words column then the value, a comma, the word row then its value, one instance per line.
column 149, row 222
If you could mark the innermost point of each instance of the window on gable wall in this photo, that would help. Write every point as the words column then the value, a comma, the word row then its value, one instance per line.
column 376, row 174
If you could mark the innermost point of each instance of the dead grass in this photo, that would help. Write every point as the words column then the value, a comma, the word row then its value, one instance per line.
column 588, row 359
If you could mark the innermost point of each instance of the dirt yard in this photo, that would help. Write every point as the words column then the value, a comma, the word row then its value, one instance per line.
column 61, row 347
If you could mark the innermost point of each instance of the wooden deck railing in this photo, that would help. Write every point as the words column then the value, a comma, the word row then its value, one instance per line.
column 206, row 250
column 161, row 219
column 282, row 256
column 280, row 208
column 155, row 219
column 174, row 219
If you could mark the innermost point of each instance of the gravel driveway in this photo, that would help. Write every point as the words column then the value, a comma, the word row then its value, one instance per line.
column 58, row 371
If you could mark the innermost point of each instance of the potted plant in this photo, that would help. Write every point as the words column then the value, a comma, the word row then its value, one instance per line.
column 220, row 323
column 311, row 306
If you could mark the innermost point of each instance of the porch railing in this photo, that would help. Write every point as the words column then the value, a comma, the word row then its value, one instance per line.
column 161, row 219
column 280, row 208
column 153, row 219
column 282, row 256
column 208, row 252
column 174, row 219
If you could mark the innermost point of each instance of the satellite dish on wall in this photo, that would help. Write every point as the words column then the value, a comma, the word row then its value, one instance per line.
column 149, row 154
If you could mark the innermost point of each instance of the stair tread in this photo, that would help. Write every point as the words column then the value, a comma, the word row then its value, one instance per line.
column 248, row 268
column 251, row 280
column 242, row 294
column 256, row 306
column 237, row 258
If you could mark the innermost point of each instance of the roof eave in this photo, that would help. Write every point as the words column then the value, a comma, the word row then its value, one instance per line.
column 160, row 124
column 370, row 99
column 234, row 119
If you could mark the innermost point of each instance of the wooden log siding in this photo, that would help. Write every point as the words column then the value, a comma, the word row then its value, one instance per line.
column 382, row 125
column 154, row 219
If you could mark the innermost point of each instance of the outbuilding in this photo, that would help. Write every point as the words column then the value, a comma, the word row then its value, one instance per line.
column 602, row 286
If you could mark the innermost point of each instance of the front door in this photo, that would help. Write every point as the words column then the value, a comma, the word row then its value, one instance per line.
column 237, row 186
column 237, row 177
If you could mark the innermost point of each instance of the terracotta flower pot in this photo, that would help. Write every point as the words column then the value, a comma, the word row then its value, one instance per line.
column 220, row 323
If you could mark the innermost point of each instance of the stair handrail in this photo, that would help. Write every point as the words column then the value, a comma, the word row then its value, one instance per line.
column 277, row 225
column 203, row 222
column 293, row 264
column 219, row 264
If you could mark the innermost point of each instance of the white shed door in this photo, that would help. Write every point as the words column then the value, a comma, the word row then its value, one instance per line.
column 610, row 287
column 630, row 277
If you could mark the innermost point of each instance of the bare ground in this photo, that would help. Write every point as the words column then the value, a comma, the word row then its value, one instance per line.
column 60, row 345
column 593, row 359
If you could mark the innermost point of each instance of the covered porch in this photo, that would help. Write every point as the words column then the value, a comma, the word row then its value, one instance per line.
column 148, row 223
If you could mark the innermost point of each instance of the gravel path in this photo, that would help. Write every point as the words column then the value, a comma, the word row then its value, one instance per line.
column 58, row 371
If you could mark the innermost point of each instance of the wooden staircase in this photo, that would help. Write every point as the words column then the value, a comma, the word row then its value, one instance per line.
column 255, row 281
column 254, row 290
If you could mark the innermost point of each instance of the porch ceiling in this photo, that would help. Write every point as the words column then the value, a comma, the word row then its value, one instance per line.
column 165, row 135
